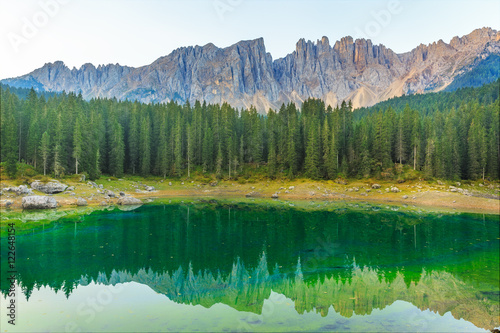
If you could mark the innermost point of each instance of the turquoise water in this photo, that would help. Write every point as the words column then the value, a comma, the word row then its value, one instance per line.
column 212, row 267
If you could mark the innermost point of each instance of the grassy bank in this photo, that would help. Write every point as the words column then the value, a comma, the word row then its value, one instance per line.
column 479, row 197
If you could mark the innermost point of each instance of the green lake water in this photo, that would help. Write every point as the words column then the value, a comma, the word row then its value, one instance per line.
column 214, row 267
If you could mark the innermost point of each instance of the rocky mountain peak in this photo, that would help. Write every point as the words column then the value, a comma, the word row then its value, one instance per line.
column 244, row 74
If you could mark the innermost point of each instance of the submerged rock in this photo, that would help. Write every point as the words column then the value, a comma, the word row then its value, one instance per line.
column 39, row 202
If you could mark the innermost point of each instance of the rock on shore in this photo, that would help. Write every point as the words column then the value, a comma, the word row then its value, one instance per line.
column 129, row 201
column 39, row 202
column 49, row 187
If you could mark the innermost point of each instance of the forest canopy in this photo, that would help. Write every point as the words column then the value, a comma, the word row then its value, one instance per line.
column 452, row 135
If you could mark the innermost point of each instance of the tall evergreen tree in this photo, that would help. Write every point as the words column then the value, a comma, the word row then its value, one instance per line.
column 45, row 151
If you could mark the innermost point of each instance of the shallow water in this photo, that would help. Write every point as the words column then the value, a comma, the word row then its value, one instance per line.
column 251, row 268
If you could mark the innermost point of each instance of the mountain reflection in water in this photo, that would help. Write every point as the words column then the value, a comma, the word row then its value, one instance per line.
column 350, row 261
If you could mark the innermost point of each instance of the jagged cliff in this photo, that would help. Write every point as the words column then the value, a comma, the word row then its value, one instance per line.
column 244, row 74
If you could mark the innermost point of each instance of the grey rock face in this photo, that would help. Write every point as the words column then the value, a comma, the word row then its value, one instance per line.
column 81, row 202
column 110, row 194
column 49, row 187
column 244, row 74
column 395, row 189
column 39, row 202
column 129, row 201
column 20, row 190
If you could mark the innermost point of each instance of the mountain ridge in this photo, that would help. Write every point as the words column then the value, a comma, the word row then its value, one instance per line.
column 245, row 74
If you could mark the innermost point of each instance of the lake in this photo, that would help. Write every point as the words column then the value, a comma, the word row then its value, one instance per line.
column 257, row 267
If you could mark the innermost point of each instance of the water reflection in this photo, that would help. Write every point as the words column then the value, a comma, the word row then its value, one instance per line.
column 348, row 262
column 358, row 292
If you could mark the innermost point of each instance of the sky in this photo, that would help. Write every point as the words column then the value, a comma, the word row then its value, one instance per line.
column 137, row 32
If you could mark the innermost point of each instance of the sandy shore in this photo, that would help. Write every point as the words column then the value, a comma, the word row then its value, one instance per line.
column 478, row 199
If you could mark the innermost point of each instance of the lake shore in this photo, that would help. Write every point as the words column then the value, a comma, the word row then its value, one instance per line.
column 449, row 196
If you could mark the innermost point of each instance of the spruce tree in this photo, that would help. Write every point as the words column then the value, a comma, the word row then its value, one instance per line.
column 45, row 151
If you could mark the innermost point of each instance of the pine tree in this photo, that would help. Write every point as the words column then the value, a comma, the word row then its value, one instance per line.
column 117, row 153
column 133, row 139
column 45, row 150
column 312, row 156
column 190, row 148
column 10, row 143
column 163, row 148
column 145, row 146
column 218, row 162
column 77, row 143
column 178, row 145
column 207, row 151
column 59, row 154
column 429, row 158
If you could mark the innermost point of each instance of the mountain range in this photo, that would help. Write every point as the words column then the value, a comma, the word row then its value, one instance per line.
column 244, row 74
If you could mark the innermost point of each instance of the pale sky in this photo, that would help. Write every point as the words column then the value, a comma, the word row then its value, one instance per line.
column 135, row 33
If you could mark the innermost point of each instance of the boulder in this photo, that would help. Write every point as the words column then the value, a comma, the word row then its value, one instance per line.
column 49, row 187
column 110, row 194
column 169, row 183
column 340, row 181
column 395, row 189
column 252, row 194
column 122, row 194
column 71, row 188
column 39, row 202
column 376, row 186
column 89, row 183
column 149, row 188
column 129, row 201
column 7, row 203
column 291, row 188
column 274, row 195
column 405, row 197
column 214, row 183
column 20, row 190
column 81, row 202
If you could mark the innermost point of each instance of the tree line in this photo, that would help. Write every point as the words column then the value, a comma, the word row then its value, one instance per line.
column 64, row 134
